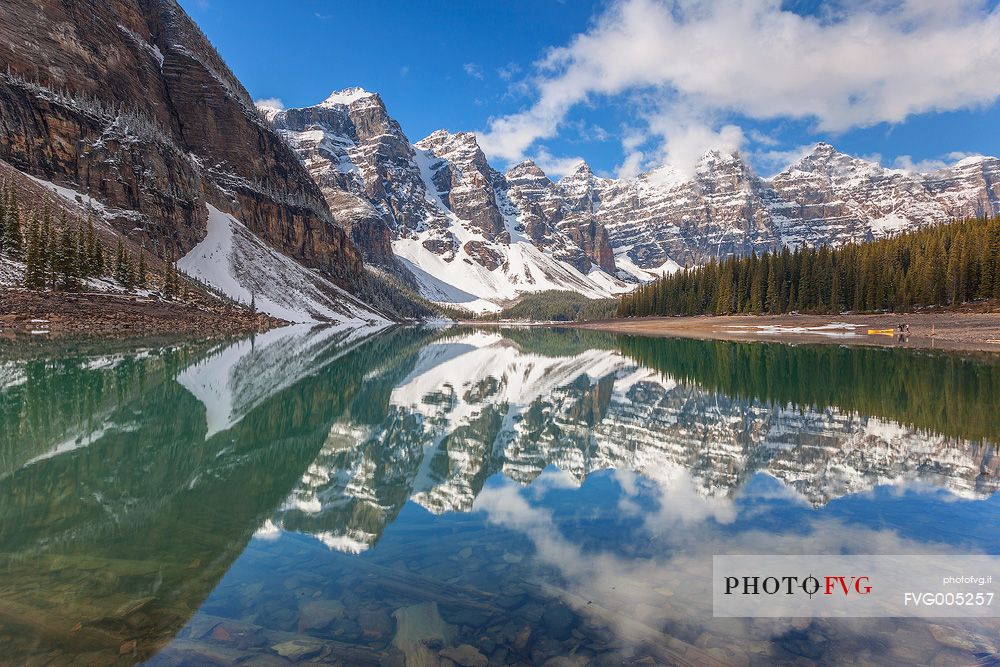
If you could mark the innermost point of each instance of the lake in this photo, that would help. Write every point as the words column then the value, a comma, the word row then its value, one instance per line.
column 471, row 497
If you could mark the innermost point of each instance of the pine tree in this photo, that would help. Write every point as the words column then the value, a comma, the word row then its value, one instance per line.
column 121, row 267
column 758, row 286
column 724, row 299
column 10, row 228
column 45, row 251
column 67, row 266
column 953, row 275
column 170, row 280
column 34, row 277
column 124, row 270
column 92, row 259
column 140, row 279
column 100, row 259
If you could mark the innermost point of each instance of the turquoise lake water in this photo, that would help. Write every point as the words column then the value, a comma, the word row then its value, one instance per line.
column 461, row 496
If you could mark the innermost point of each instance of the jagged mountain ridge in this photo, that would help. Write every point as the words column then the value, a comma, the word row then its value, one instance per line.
column 177, row 134
column 661, row 219
column 128, row 101
column 614, row 231
column 465, row 233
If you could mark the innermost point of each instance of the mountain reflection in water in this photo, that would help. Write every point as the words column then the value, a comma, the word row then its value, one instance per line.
column 315, row 495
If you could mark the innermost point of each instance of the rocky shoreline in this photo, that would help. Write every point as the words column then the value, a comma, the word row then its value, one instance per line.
column 963, row 330
column 29, row 312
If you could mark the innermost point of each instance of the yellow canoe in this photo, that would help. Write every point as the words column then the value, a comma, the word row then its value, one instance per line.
column 881, row 332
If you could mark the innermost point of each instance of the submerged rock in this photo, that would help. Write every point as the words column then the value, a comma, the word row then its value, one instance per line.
column 297, row 649
column 317, row 614
column 418, row 628
column 465, row 655
column 558, row 622
column 960, row 639
column 375, row 623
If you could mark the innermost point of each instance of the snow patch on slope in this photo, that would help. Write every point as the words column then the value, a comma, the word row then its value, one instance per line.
column 236, row 262
column 625, row 263
column 889, row 224
column 459, row 279
column 78, row 199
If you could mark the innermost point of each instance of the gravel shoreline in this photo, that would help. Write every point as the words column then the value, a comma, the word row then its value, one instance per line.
column 945, row 330
column 28, row 312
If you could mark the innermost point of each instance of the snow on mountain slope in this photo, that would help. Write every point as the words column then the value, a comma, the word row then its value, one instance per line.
column 484, row 259
column 472, row 236
column 438, row 206
column 345, row 97
column 234, row 261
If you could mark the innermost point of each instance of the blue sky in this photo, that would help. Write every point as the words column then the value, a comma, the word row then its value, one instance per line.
column 629, row 85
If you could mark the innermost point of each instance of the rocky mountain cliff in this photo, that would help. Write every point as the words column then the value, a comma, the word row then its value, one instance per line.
column 660, row 219
column 475, row 237
column 126, row 100
column 465, row 233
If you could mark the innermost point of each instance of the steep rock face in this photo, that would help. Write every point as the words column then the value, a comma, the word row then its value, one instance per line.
column 837, row 198
column 971, row 188
column 465, row 233
column 550, row 218
column 465, row 181
column 363, row 164
column 662, row 219
column 128, row 100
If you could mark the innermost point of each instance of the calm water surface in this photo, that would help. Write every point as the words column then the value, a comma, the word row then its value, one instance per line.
column 441, row 497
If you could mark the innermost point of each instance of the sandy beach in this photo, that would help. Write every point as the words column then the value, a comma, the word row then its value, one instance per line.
column 946, row 330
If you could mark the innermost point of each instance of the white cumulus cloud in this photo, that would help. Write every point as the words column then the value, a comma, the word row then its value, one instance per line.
column 698, row 63
column 555, row 167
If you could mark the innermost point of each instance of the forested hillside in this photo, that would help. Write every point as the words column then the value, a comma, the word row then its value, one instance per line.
column 45, row 244
column 944, row 265
column 559, row 306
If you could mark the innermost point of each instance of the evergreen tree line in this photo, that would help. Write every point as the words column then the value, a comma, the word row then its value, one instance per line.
column 62, row 256
column 944, row 265
column 559, row 306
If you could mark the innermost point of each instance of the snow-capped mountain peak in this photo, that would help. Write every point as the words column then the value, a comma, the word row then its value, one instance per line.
column 438, row 213
column 827, row 161
column 526, row 170
column 345, row 97
column 458, row 225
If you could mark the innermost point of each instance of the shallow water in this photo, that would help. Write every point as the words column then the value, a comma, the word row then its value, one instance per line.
column 439, row 497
